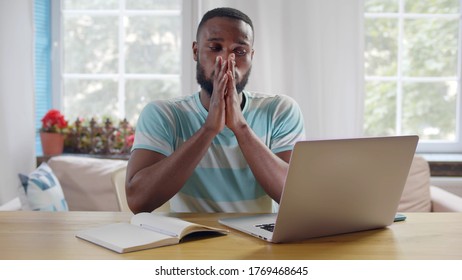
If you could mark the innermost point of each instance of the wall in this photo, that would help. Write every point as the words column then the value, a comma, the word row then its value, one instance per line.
column 17, row 152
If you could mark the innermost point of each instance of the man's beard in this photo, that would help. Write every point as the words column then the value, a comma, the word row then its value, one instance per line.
column 207, row 84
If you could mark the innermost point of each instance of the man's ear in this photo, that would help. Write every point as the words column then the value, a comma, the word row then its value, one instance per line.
column 194, row 49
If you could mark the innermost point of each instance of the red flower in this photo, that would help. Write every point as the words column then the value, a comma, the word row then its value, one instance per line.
column 53, row 121
column 129, row 140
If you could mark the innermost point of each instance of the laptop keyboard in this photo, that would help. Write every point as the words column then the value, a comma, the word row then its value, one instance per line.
column 268, row 227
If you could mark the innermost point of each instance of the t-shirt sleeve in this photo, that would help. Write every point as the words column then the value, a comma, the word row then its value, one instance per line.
column 154, row 129
column 288, row 125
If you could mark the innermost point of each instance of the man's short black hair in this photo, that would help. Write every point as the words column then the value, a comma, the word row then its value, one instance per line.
column 225, row 12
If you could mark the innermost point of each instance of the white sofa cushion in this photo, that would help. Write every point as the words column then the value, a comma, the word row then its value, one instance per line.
column 416, row 194
column 12, row 205
column 87, row 182
column 444, row 201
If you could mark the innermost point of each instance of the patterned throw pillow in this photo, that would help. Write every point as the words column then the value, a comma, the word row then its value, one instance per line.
column 42, row 191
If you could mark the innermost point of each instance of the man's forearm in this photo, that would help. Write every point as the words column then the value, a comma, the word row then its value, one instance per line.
column 155, row 184
column 269, row 170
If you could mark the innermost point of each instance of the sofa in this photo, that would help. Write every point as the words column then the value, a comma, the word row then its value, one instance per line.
column 420, row 196
column 94, row 184
column 86, row 183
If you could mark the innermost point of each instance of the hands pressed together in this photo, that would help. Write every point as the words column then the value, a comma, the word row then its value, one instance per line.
column 225, row 102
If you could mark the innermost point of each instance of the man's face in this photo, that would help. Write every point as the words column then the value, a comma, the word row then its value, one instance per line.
column 222, row 36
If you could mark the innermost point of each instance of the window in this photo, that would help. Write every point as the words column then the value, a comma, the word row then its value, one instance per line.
column 412, row 71
column 116, row 56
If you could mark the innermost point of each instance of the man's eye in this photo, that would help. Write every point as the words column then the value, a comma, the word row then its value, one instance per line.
column 215, row 48
column 240, row 51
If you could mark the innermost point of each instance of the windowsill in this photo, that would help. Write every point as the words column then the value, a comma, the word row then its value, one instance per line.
column 444, row 165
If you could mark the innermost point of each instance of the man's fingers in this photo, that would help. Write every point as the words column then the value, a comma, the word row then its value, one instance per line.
column 217, row 64
column 232, row 64
column 231, row 84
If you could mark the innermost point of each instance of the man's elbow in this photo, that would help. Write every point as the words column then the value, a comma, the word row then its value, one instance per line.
column 134, row 201
column 134, row 206
column 138, row 203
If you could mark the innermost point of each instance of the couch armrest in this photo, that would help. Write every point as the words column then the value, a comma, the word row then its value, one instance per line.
column 444, row 201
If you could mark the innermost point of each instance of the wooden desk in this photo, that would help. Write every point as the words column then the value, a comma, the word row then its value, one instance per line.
column 44, row 235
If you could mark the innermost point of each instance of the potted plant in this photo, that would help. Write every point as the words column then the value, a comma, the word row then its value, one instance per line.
column 52, row 133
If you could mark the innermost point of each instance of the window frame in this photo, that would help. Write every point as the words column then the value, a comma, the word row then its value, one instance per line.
column 42, row 69
column 189, row 13
column 424, row 146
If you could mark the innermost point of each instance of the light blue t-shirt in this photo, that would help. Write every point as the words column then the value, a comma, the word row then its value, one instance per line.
column 222, row 181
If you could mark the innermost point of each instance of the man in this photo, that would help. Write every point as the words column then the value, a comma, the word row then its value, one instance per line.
column 222, row 149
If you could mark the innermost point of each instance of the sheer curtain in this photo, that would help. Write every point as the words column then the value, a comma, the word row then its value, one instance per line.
column 16, row 95
column 310, row 50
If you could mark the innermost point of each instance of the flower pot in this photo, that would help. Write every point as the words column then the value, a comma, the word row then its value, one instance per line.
column 52, row 143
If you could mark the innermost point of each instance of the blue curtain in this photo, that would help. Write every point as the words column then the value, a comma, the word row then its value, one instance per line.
column 42, row 24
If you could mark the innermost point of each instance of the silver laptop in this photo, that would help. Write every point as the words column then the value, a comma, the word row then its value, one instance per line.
column 335, row 187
